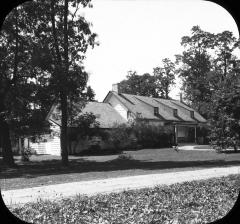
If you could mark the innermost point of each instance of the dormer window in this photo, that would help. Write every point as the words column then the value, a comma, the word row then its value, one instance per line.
column 175, row 112
column 156, row 111
column 192, row 114
column 128, row 114
column 139, row 115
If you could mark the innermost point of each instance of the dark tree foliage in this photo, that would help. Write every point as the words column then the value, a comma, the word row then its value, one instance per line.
column 225, row 118
column 144, row 85
column 43, row 45
column 156, row 85
column 165, row 77
column 24, row 95
column 210, row 72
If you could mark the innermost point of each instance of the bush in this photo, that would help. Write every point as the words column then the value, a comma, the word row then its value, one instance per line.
column 26, row 153
column 152, row 136
column 139, row 135
column 120, row 137
column 203, row 135
column 222, row 137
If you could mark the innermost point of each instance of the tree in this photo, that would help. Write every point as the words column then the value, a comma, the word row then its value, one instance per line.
column 195, row 69
column 17, row 92
column 77, row 36
column 46, row 46
column 210, row 73
column 64, row 38
column 143, row 85
column 225, row 118
column 165, row 77
column 224, row 44
column 205, row 62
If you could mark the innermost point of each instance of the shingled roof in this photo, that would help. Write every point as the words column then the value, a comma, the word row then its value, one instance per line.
column 105, row 114
column 145, row 105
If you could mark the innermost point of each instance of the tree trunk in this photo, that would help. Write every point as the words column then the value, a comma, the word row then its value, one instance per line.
column 235, row 148
column 63, row 137
column 63, row 94
column 5, row 135
column 62, row 72
column 6, row 144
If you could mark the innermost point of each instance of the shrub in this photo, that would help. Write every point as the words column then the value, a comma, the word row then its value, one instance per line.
column 120, row 136
column 152, row 136
column 203, row 135
column 26, row 153
column 139, row 135
column 222, row 136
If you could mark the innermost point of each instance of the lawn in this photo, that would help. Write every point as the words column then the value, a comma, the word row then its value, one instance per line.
column 190, row 202
column 47, row 169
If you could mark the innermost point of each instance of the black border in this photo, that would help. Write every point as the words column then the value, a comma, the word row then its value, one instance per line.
column 231, row 6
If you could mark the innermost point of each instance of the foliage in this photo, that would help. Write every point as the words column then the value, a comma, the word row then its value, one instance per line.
column 195, row 68
column 226, row 116
column 156, row 85
column 24, row 101
column 84, row 125
column 139, row 134
column 143, row 85
column 210, row 73
column 202, row 201
column 165, row 77
column 120, row 136
column 26, row 154
column 47, row 46
column 203, row 135
column 152, row 136
column 205, row 61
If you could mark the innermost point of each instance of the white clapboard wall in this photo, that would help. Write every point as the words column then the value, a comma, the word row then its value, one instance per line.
column 51, row 147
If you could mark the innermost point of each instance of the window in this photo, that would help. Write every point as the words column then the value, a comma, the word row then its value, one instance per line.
column 128, row 114
column 156, row 111
column 175, row 112
column 192, row 114
column 139, row 115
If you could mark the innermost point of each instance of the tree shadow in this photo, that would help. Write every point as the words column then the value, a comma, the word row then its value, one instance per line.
column 81, row 165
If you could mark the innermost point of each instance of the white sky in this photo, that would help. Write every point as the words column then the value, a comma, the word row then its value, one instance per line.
column 138, row 34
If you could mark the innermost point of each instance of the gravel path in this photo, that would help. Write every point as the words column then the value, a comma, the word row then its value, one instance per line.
column 58, row 191
column 195, row 147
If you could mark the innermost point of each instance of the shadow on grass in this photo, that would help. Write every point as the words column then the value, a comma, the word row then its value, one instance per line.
column 230, row 152
column 80, row 165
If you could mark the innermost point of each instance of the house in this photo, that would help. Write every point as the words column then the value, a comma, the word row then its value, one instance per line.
column 165, row 112
column 119, row 108
column 105, row 115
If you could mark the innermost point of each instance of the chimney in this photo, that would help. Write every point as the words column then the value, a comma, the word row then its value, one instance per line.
column 115, row 88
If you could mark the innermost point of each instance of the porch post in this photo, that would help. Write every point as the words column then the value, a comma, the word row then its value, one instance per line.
column 195, row 134
column 175, row 132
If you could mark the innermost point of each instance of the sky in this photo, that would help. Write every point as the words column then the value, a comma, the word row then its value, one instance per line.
column 137, row 34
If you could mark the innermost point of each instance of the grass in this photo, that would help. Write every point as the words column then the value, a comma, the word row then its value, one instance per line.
column 47, row 169
column 190, row 202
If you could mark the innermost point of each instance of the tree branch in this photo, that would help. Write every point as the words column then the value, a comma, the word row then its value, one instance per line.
column 55, row 33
